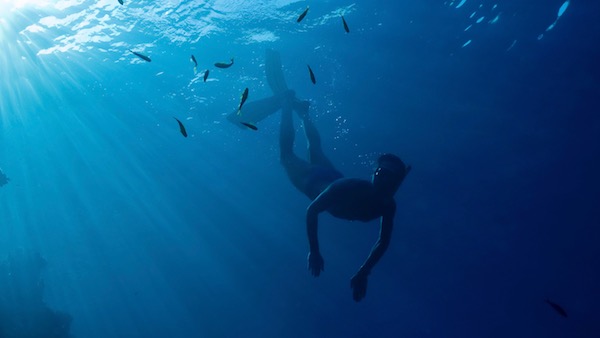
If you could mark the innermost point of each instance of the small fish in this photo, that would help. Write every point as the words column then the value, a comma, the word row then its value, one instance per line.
column 206, row 75
column 224, row 65
column 181, row 127
column 141, row 56
column 242, row 100
column 562, row 9
column 193, row 58
column 249, row 125
column 557, row 308
column 345, row 25
column 121, row 2
column 302, row 15
column 312, row 75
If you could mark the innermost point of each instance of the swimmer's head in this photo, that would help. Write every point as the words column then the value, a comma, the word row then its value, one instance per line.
column 389, row 174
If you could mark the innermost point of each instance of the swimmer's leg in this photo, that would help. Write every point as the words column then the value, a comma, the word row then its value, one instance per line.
column 313, row 139
column 296, row 168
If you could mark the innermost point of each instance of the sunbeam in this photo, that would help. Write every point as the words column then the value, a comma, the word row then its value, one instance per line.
column 7, row 6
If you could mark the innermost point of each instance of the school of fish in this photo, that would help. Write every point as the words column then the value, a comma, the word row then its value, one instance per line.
column 225, row 65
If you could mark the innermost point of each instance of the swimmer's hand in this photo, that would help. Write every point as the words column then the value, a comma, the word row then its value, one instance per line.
column 315, row 263
column 358, row 283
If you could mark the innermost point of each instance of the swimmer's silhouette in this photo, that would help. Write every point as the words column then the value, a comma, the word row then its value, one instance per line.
column 319, row 180
column 346, row 198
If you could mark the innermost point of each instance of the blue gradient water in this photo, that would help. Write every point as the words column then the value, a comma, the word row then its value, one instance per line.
column 149, row 234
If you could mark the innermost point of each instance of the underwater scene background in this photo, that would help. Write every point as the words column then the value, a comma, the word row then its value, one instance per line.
column 112, row 224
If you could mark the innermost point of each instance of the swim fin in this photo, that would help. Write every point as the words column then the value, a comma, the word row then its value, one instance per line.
column 256, row 111
column 274, row 73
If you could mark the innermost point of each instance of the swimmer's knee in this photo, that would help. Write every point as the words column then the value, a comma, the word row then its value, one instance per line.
column 291, row 163
column 285, row 159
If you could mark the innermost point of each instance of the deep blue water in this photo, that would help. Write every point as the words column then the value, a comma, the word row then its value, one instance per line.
column 150, row 234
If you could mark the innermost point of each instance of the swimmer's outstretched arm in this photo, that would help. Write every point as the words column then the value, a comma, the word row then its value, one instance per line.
column 358, row 283
column 385, row 235
column 320, row 204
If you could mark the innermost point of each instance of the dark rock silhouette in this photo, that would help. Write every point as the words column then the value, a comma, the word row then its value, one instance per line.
column 23, row 312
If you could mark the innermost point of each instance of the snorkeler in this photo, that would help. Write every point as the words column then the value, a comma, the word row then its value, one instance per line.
column 319, row 180
column 346, row 198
